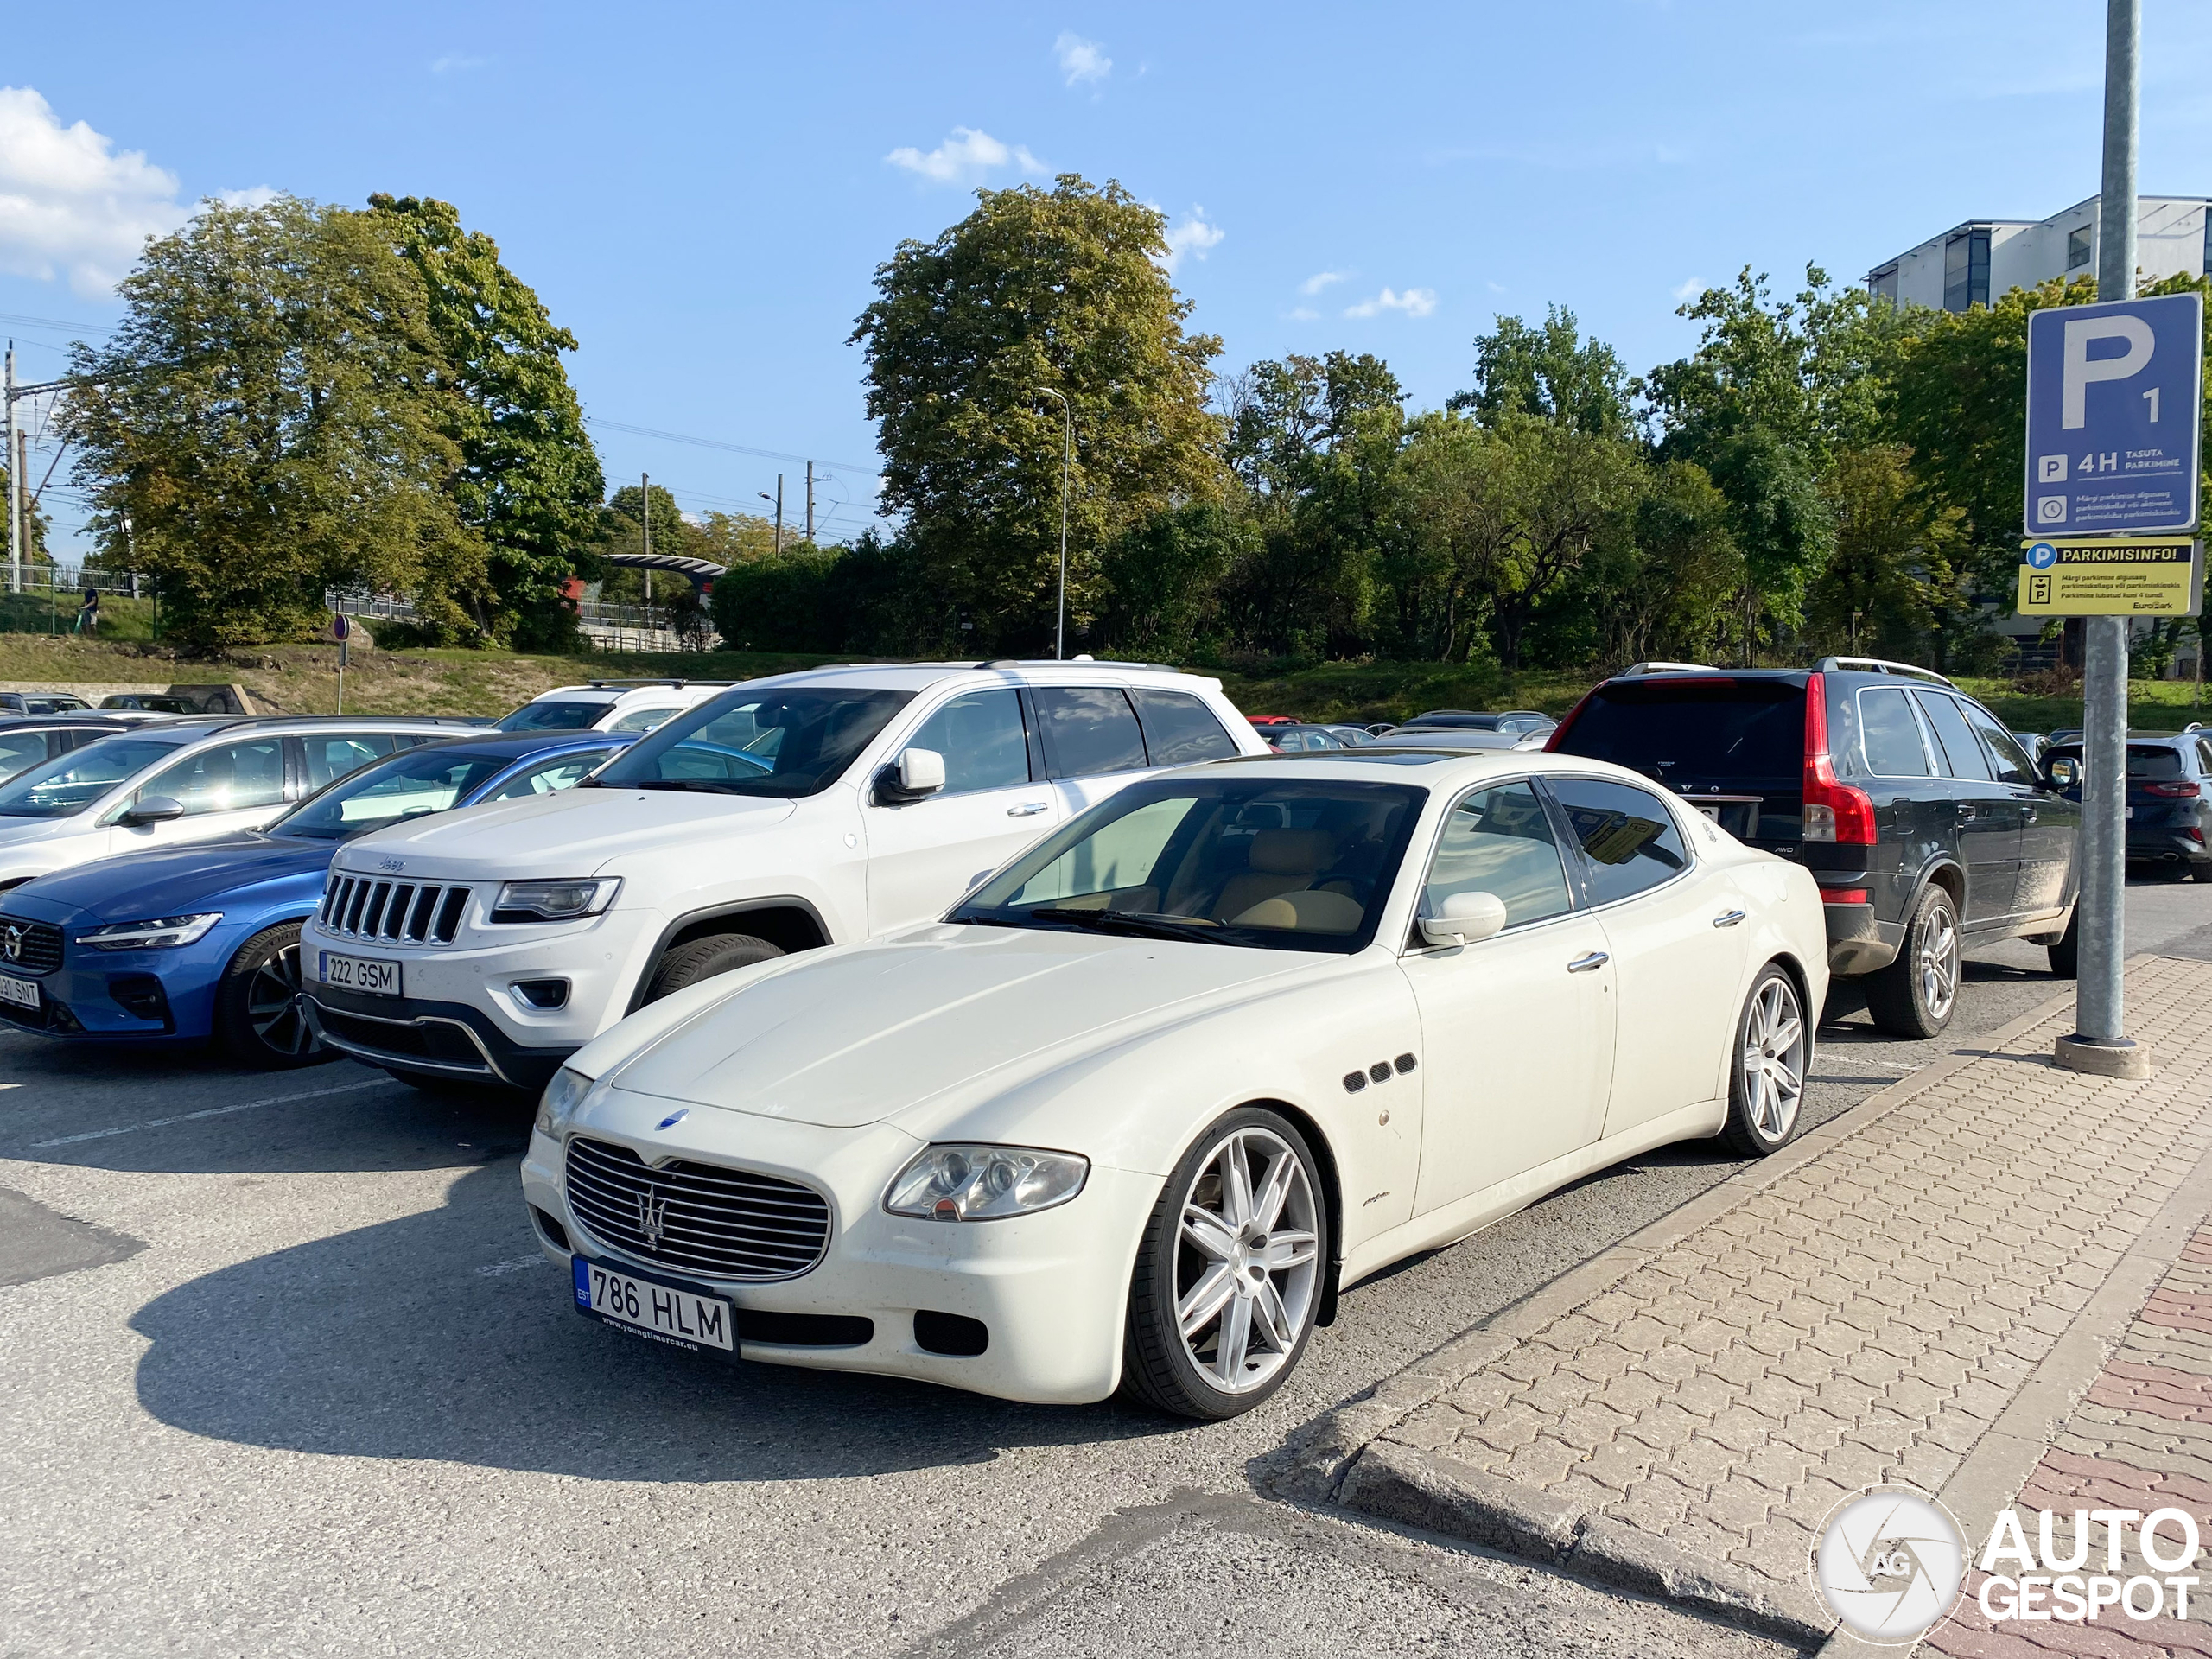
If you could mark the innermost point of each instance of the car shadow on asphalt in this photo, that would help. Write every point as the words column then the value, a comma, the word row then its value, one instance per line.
column 445, row 1335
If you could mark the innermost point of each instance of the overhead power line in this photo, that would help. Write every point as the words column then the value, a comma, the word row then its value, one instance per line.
column 869, row 467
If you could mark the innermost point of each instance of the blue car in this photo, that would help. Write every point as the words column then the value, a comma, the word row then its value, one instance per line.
column 203, row 940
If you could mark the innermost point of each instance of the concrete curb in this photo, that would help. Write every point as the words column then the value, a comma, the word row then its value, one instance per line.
column 1341, row 1458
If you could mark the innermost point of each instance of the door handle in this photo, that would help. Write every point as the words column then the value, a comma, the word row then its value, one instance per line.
column 1584, row 965
column 1028, row 808
column 2027, row 815
column 1728, row 918
column 1965, row 809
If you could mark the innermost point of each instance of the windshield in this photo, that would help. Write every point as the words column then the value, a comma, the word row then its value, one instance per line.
column 2146, row 763
column 553, row 717
column 1297, row 864
column 411, row 786
column 1708, row 731
column 781, row 740
column 70, row 785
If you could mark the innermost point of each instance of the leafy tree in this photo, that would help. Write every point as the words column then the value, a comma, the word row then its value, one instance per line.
column 1552, row 373
column 528, row 481
column 272, row 415
column 732, row 538
column 1163, row 579
column 1895, row 582
column 1034, row 292
column 865, row 599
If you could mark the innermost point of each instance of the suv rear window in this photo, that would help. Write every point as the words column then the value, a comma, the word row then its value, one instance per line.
column 1704, row 731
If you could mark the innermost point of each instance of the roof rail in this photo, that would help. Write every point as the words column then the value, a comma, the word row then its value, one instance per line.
column 1634, row 669
column 614, row 685
column 1880, row 665
column 1069, row 662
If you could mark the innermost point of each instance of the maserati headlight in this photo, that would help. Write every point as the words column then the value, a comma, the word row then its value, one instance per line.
column 972, row 1183
column 156, row 935
column 555, row 901
column 559, row 1103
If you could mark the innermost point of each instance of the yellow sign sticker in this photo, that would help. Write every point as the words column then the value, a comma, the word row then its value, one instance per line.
column 2139, row 576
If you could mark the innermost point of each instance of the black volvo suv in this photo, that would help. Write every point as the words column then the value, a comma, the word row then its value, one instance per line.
column 1926, row 825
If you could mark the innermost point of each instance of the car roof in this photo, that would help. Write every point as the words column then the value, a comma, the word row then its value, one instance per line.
column 517, row 745
column 1436, row 768
column 920, row 677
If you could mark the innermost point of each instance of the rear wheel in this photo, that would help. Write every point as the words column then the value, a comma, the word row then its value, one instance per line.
column 1766, row 1076
column 2201, row 869
column 719, row 953
column 1916, row 995
column 1228, row 1274
column 2065, row 950
column 260, row 1015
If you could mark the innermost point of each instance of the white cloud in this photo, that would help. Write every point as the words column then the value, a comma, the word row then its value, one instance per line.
column 967, row 156
column 1414, row 303
column 1194, row 236
column 454, row 62
column 259, row 195
column 1689, row 291
column 71, row 204
column 1303, row 314
column 1319, row 280
column 1081, row 60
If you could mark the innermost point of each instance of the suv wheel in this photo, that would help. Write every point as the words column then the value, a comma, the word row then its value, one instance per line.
column 718, row 953
column 2065, row 950
column 1916, row 995
column 1766, row 1077
column 257, row 1013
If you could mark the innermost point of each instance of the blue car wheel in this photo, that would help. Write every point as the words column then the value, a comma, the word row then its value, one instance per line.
column 259, row 1012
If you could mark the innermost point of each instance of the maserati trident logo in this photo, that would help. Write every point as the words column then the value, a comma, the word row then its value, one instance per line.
column 652, row 1216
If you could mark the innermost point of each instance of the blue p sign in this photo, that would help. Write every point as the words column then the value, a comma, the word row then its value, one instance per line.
column 2113, row 425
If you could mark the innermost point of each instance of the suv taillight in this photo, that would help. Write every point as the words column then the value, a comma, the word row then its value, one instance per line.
column 1559, row 731
column 1833, row 812
column 2173, row 791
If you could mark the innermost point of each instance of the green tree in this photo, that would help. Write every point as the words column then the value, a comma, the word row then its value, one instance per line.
column 272, row 415
column 1895, row 584
column 1034, row 292
column 1552, row 373
column 528, row 483
column 1163, row 579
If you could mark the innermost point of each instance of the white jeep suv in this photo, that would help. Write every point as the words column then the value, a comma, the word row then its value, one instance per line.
column 808, row 809
column 609, row 705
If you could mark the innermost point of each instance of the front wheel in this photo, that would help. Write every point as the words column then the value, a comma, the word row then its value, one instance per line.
column 1916, row 995
column 1229, row 1275
column 1766, row 1076
column 718, row 953
column 260, row 1015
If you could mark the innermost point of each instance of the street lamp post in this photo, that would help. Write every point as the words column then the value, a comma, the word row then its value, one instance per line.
column 1067, row 469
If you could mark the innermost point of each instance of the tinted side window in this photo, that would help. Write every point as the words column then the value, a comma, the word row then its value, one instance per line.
column 228, row 777
column 1500, row 840
column 2012, row 765
column 1179, row 729
column 982, row 738
column 1088, row 729
column 1628, row 837
column 21, row 749
column 644, row 719
column 548, row 777
column 334, row 757
column 1961, row 755
column 1891, row 735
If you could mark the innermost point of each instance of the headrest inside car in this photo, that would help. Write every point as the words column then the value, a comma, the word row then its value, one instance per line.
column 1291, row 852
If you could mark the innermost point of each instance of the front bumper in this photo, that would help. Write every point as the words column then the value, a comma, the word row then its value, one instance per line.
column 442, row 1039
column 130, row 996
column 1051, row 1289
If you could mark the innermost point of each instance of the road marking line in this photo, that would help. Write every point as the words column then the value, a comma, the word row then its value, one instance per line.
column 210, row 1111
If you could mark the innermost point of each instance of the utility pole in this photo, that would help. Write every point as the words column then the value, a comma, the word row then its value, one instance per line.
column 15, row 485
column 778, row 497
column 1067, row 469
column 645, row 519
column 810, row 504
column 2100, row 1040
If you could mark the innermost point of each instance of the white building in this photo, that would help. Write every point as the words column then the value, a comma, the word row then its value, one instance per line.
column 1980, row 261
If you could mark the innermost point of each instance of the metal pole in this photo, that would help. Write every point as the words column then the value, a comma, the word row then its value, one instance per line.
column 779, row 512
column 1067, row 467
column 810, row 504
column 645, row 517
column 2100, row 1015
column 15, row 485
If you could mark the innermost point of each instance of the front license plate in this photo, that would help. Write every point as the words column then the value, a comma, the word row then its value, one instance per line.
column 22, row 992
column 649, row 1308
column 358, row 974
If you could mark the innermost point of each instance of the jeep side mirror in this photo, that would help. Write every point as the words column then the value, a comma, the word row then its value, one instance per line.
column 915, row 773
column 2064, row 772
column 1468, row 918
column 155, row 809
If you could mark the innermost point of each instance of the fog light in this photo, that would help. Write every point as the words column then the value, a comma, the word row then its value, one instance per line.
column 543, row 993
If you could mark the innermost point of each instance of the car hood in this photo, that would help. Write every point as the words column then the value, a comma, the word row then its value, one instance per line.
column 849, row 1036
column 176, row 881
column 577, row 832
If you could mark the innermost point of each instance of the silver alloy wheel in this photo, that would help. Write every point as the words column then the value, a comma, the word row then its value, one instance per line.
column 1248, row 1260
column 1937, row 963
column 1773, row 1058
column 272, row 1006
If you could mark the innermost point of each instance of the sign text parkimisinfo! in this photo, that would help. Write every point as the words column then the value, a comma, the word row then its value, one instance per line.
column 2147, row 575
column 2113, row 417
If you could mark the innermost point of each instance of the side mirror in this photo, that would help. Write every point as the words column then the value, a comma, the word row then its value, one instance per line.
column 2064, row 772
column 1468, row 918
column 155, row 809
column 915, row 773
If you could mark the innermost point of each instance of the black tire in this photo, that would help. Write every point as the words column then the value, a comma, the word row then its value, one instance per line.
column 1916, row 995
column 2201, row 869
column 718, row 953
column 1161, row 1366
column 1766, row 1068
column 2065, row 950
column 259, row 1017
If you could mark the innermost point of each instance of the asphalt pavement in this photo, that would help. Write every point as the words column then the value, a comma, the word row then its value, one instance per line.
column 281, row 1371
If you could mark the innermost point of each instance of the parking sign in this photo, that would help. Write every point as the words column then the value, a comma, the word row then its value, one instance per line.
column 2113, row 417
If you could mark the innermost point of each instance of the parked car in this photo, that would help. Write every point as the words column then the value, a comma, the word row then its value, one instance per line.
column 2032, row 745
column 166, row 780
column 1273, row 719
column 783, row 815
column 1519, row 721
column 40, row 703
column 1152, row 1094
column 632, row 706
column 1926, row 827
column 2169, row 798
column 1457, row 737
column 1286, row 737
column 149, row 701
column 27, row 739
column 1354, row 736
column 180, row 944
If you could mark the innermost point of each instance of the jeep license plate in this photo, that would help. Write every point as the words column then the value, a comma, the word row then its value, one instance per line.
column 358, row 974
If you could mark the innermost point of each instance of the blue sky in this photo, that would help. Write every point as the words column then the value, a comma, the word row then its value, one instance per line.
column 701, row 194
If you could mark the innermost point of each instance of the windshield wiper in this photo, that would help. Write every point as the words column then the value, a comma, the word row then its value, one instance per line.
column 700, row 785
column 1142, row 923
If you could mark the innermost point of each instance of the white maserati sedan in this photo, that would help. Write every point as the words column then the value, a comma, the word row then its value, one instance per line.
column 1157, row 1091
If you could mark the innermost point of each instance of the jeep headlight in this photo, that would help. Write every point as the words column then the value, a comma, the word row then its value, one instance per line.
column 555, row 901
column 961, row 1182
column 559, row 1102
column 158, row 934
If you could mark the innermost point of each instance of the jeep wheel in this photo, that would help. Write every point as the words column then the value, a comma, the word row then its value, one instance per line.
column 1916, row 995
column 718, row 953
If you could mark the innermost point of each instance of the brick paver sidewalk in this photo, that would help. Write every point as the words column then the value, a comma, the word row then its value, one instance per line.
column 1680, row 1415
